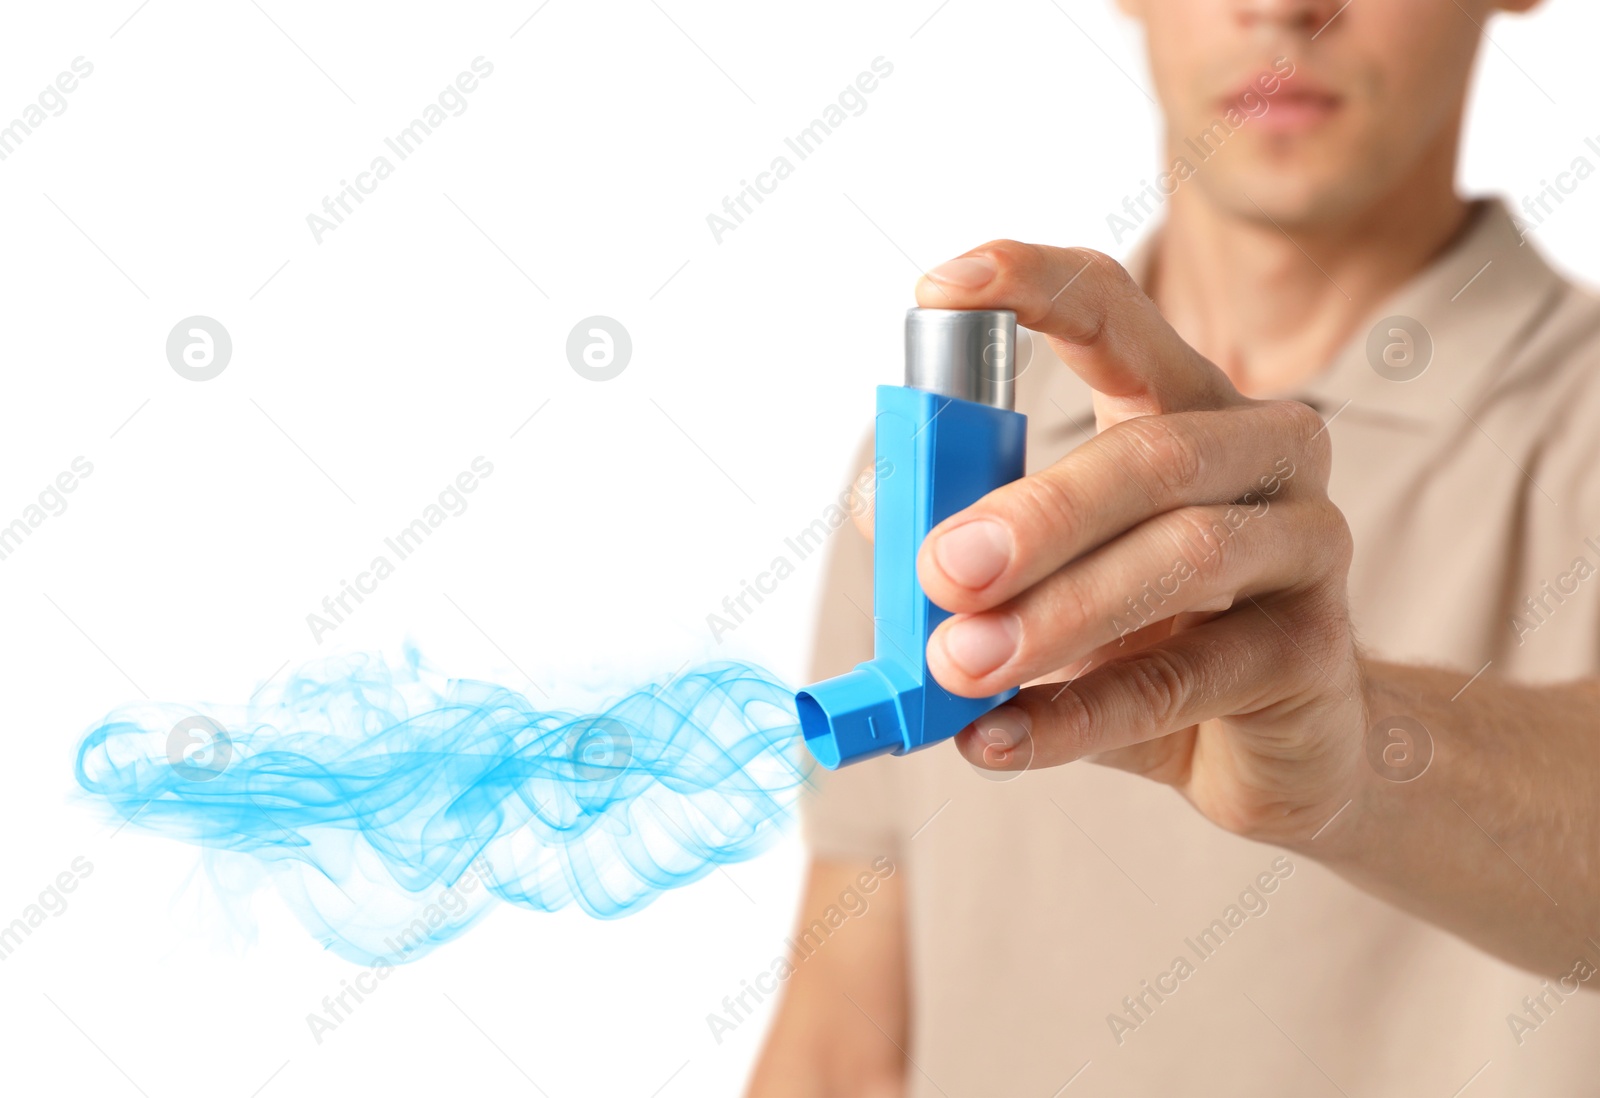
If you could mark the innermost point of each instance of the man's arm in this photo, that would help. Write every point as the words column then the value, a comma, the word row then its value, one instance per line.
column 1497, row 839
column 843, row 1018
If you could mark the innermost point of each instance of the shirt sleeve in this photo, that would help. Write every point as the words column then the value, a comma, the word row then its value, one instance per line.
column 850, row 814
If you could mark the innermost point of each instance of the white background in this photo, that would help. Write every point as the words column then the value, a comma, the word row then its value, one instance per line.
column 424, row 332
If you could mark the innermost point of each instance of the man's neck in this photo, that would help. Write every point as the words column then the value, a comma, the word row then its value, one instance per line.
column 1272, row 305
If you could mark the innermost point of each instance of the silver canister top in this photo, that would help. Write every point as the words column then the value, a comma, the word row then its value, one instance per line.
column 970, row 354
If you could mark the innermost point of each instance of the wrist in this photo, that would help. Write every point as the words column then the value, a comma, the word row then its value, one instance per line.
column 1341, row 829
column 1405, row 764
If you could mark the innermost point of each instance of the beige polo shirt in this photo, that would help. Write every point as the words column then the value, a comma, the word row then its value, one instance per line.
column 1043, row 907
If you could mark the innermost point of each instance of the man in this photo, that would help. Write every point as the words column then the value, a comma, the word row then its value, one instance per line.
column 1356, row 629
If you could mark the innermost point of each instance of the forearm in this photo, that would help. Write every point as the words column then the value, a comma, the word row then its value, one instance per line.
column 843, row 1018
column 803, row 1066
column 1498, row 839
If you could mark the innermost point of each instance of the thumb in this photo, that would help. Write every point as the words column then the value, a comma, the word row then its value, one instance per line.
column 863, row 500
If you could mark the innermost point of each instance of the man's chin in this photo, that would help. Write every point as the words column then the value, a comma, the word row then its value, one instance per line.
column 1301, row 199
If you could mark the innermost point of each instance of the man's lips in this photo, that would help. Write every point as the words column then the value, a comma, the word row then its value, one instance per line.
column 1296, row 105
column 1292, row 113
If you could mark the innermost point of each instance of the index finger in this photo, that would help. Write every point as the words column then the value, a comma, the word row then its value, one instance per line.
column 1096, row 317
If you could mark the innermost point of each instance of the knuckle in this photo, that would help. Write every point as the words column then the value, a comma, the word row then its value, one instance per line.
column 1051, row 501
column 1171, row 457
column 1101, row 279
column 1311, row 634
column 1323, row 540
column 1160, row 682
column 1094, row 277
column 1100, row 267
column 1012, row 258
column 1302, row 418
column 1336, row 537
column 1308, row 433
column 1074, row 721
column 1208, row 541
column 1325, row 633
column 1072, row 606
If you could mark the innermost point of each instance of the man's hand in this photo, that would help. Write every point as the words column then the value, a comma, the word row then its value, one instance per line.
column 1184, row 573
column 1184, row 568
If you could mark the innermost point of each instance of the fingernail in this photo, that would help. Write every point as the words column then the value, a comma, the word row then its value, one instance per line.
column 974, row 553
column 977, row 645
column 1004, row 728
column 969, row 272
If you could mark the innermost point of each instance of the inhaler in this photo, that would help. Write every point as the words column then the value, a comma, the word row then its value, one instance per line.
column 945, row 438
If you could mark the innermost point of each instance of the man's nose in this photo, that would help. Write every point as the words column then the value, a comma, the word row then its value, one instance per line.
column 1296, row 16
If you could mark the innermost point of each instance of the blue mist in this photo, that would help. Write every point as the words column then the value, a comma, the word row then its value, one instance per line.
column 392, row 811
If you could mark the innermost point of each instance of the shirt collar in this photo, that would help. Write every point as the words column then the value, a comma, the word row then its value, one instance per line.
column 1471, row 304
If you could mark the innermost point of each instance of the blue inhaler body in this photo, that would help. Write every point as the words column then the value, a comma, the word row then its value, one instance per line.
column 944, row 439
